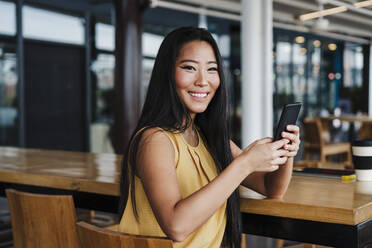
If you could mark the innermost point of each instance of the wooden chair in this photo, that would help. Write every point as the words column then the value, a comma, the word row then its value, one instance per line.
column 95, row 237
column 365, row 131
column 40, row 221
column 315, row 143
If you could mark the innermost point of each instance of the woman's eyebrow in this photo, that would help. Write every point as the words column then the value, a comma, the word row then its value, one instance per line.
column 189, row 60
column 196, row 62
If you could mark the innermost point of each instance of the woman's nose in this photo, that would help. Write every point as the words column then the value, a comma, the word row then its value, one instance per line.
column 202, row 79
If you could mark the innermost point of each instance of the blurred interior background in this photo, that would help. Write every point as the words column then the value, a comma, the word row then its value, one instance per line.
column 69, row 78
column 62, row 97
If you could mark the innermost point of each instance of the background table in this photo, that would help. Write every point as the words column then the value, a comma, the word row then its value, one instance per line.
column 314, row 210
column 93, row 179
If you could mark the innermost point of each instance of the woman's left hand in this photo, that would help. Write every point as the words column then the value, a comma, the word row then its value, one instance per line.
column 293, row 135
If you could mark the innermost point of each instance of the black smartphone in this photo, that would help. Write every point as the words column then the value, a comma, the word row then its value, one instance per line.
column 288, row 117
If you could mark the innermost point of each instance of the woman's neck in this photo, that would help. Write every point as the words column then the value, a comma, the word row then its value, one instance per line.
column 191, row 135
column 190, row 130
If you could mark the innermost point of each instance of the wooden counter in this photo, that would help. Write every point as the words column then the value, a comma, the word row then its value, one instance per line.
column 318, row 199
column 314, row 210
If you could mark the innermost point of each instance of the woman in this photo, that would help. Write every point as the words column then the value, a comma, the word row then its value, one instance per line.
column 181, row 171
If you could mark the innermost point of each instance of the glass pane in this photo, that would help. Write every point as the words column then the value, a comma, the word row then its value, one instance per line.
column 103, row 69
column 103, row 77
column 299, row 67
column 52, row 26
column 151, row 44
column 224, row 45
column 352, row 88
column 283, row 77
column 105, row 37
column 7, row 18
column 8, row 95
column 313, row 78
column 353, row 66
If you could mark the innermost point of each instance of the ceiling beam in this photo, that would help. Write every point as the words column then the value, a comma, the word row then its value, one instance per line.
column 289, row 19
column 351, row 7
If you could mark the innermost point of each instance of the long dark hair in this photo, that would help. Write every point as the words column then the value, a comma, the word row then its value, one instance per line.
column 163, row 108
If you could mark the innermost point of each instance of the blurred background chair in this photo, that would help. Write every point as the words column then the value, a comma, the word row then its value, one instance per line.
column 317, row 143
column 365, row 131
column 42, row 221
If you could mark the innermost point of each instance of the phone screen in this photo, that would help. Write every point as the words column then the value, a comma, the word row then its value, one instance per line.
column 288, row 117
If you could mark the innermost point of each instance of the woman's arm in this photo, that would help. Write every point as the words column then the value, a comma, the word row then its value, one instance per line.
column 273, row 184
column 177, row 216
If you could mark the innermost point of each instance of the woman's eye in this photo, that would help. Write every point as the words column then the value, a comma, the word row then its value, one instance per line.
column 188, row 67
column 213, row 69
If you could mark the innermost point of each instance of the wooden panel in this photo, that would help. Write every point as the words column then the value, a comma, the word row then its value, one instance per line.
column 42, row 221
column 95, row 237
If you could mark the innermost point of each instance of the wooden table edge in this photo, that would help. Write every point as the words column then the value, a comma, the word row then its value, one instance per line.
column 60, row 182
column 287, row 210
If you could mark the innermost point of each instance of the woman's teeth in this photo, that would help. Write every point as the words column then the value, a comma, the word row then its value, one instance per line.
column 201, row 95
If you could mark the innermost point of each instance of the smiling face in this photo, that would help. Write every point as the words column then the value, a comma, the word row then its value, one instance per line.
column 196, row 76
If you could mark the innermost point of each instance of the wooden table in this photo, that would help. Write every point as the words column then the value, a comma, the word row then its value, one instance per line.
column 93, row 179
column 314, row 210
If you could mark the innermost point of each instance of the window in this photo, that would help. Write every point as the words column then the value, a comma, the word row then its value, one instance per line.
column 151, row 44
column 103, row 68
column 52, row 26
column 105, row 37
column 7, row 18
column 8, row 95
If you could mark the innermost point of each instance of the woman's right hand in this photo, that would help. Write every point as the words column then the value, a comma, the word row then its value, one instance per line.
column 264, row 155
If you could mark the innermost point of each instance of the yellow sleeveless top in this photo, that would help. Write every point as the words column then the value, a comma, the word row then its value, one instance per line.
column 195, row 168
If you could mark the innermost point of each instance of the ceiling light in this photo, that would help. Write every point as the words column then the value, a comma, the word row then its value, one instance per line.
column 300, row 39
column 332, row 46
column 321, row 13
column 363, row 4
column 317, row 43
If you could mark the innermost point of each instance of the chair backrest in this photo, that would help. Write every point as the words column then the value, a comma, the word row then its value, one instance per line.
column 365, row 131
column 307, row 164
column 313, row 132
column 95, row 237
column 40, row 221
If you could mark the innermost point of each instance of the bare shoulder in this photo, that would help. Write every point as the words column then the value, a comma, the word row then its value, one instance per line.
column 154, row 149
column 154, row 136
